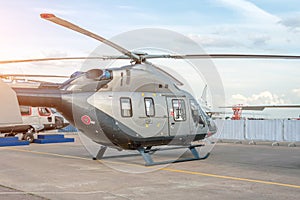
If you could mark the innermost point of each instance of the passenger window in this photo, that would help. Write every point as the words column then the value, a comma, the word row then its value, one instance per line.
column 149, row 107
column 44, row 111
column 126, row 108
column 25, row 110
column 178, row 110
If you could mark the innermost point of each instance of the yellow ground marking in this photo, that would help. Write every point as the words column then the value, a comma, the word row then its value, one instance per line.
column 163, row 169
column 46, row 153
column 231, row 178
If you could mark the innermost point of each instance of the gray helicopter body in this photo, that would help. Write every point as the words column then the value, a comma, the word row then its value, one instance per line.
column 126, row 107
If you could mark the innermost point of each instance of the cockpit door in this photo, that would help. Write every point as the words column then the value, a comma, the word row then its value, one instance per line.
column 178, row 117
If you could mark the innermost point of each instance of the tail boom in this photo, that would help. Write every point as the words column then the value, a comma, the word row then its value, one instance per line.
column 38, row 97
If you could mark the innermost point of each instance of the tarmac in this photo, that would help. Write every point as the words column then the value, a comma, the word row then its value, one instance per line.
column 67, row 171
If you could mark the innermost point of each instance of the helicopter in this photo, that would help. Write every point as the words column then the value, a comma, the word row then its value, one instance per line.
column 133, row 107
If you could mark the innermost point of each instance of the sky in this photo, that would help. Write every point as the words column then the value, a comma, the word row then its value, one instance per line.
column 218, row 26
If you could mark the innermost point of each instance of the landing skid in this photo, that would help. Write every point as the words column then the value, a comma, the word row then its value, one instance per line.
column 147, row 152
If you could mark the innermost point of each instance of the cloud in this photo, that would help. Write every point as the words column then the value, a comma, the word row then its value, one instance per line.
column 54, row 54
column 259, row 39
column 292, row 22
column 296, row 92
column 249, row 28
column 214, row 41
column 265, row 97
column 249, row 10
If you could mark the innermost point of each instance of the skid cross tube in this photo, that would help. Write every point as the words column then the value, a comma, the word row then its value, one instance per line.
column 146, row 154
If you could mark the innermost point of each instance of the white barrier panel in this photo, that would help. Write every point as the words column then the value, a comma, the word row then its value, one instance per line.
column 267, row 130
column 264, row 130
column 291, row 130
column 230, row 129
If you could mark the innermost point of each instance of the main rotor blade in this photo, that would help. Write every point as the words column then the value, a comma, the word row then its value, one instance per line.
column 222, row 56
column 178, row 82
column 174, row 56
column 33, row 75
column 59, row 21
column 64, row 58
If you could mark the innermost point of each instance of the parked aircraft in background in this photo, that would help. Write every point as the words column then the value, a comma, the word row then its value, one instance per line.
column 35, row 119
column 237, row 109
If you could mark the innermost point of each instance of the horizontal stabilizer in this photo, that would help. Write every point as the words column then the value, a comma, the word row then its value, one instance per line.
column 9, row 106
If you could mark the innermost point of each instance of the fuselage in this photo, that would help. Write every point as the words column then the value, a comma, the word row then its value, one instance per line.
column 126, row 107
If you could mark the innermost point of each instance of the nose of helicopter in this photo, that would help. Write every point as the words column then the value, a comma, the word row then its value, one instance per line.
column 212, row 128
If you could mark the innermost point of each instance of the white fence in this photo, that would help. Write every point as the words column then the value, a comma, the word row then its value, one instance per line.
column 263, row 130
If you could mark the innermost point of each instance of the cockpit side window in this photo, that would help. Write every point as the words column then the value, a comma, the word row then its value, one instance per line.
column 126, row 107
column 197, row 114
column 179, row 112
column 149, row 107
column 194, row 111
